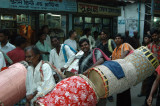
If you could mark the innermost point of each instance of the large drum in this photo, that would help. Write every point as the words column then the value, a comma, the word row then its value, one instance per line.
column 12, row 84
column 136, row 67
column 72, row 91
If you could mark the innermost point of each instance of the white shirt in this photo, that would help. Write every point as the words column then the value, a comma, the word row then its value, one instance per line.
column 44, row 48
column 48, row 40
column 71, row 43
column 35, row 83
column 8, row 47
column 58, row 59
column 91, row 40
column 2, row 61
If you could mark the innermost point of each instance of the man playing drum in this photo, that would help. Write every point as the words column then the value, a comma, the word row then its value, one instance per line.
column 40, row 80
column 86, row 61
column 124, row 98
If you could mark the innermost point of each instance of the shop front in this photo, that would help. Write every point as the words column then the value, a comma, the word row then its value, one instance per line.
column 28, row 16
column 96, row 17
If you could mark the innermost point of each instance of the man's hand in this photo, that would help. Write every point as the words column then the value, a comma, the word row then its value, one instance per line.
column 63, row 69
column 27, row 104
column 149, row 101
column 30, row 97
column 46, row 53
column 86, row 72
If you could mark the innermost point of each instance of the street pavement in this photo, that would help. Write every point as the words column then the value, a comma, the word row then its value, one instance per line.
column 136, row 101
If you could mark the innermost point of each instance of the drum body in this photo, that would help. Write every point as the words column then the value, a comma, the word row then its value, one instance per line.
column 144, row 61
column 75, row 90
column 137, row 67
column 12, row 84
column 106, row 82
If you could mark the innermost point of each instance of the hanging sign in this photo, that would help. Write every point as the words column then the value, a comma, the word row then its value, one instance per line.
column 53, row 5
column 98, row 9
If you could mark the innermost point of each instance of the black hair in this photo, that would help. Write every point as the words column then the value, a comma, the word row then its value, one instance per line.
column 82, row 41
column 52, row 37
column 86, row 30
column 96, row 32
column 71, row 32
column 5, row 32
column 154, row 31
column 148, row 36
column 119, row 35
column 19, row 40
column 44, row 26
column 40, row 33
column 105, row 32
column 36, row 51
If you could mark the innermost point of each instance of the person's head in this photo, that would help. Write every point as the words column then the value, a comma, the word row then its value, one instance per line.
column 84, row 45
column 4, row 33
column 20, row 42
column 104, row 35
column 32, row 55
column 87, row 31
column 147, row 39
column 136, row 34
column 127, row 33
column 118, row 39
column 72, row 34
column 42, row 36
column 154, row 34
column 96, row 34
column 45, row 29
column 55, row 41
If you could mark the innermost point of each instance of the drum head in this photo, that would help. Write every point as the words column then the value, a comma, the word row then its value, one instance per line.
column 97, row 80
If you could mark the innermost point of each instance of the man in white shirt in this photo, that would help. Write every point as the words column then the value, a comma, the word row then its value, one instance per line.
column 39, row 80
column 71, row 41
column 2, row 61
column 88, row 36
column 5, row 46
column 57, row 55
column 45, row 30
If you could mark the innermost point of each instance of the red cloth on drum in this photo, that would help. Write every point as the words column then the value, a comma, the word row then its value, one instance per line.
column 73, row 91
column 158, row 70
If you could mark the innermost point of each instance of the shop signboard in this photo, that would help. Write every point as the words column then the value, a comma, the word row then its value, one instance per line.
column 157, row 6
column 98, row 9
column 52, row 5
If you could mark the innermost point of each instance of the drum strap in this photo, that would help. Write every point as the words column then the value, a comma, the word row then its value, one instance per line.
column 64, row 52
column 60, row 75
column 131, row 49
column 116, row 68
column 110, row 45
column 104, row 55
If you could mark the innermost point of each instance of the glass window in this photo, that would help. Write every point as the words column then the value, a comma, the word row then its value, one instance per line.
column 98, row 20
column 106, row 21
column 78, row 20
column 88, row 20
column 53, row 20
column 156, row 22
column 41, row 20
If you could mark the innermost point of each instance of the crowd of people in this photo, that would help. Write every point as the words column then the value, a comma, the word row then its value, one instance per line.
column 49, row 51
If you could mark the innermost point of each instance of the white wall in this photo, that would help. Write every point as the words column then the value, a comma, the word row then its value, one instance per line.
column 129, row 19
